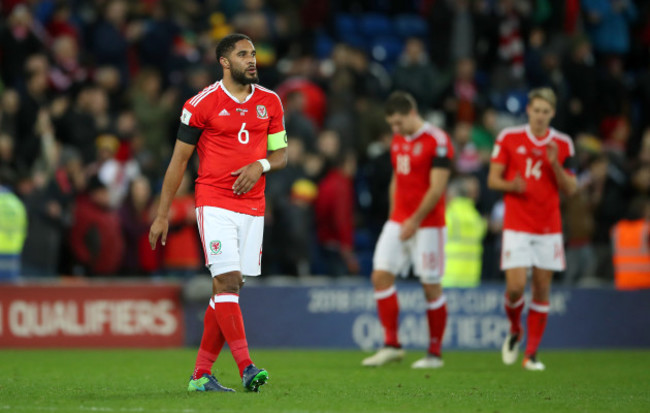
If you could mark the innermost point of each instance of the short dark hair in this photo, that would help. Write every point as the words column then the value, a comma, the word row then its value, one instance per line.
column 227, row 44
column 400, row 102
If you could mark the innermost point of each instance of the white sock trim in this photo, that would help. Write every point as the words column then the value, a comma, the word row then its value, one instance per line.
column 380, row 295
column 540, row 308
column 226, row 298
column 436, row 304
column 516, row 304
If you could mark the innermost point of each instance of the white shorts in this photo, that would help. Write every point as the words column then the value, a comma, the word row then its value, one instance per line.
column 424, row 250
column 231, row 241
column 523, row 249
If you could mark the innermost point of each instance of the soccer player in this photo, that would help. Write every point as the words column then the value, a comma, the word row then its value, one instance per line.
column 415, row 232
column 237, row 127
column 531, row 164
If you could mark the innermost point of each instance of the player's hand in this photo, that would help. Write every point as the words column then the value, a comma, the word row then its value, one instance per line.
column 409, row 226
column 158, row 229
column 248, row 177
column 518, row 184
column 551, row 152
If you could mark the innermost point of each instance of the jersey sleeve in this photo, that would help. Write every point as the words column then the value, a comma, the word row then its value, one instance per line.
column 567, row 156
column 277, row 135
column 191, row 125
column 443, row 151
column 500, row 150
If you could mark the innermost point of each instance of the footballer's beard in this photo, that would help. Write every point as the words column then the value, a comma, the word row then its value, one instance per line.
column 241, row 76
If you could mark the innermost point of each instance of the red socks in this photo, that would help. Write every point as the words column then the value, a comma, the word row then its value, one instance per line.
column 437, row 317
column 513, row 311
column 537, row 315
column 228, row 315
column 388, row 312
column 211, row 343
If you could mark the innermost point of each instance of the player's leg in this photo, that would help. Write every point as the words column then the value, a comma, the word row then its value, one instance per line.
column 516, row 258
column 428, row 258
column 537, row 315
column 213, row 339
column 548, row 256
column 387, row 260
column 251, row 232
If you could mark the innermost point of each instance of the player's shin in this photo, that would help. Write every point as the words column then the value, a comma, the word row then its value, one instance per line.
column 211, row 343
column 228, row 315
column 513, row 311
column 537, row 316
column 388, row 313
column 437, row 318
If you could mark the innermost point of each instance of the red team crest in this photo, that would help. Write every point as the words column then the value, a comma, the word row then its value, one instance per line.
column 215, row 247
column 261, row 112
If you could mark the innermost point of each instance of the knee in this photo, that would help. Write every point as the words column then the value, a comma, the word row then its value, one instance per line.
column 227, row 283
column 382, row 280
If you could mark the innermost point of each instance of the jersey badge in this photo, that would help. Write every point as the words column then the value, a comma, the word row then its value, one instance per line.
column 185, row 117
column 441, row 151
column 261, row 112
column 224, row 113
column 537, row 152
column 417, row 149
column 242, row 111
column 521, row 150
column 215, row 247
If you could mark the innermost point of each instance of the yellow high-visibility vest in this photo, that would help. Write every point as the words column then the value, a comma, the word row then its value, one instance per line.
column 463, row 250
column 13, row 223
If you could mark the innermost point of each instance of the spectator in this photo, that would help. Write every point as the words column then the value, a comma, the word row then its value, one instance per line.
column 17, row 43
column 416, row 75
column 608, row 24
column 96, row 236
column 13, row 228
column 631, row 243
column 334, row 208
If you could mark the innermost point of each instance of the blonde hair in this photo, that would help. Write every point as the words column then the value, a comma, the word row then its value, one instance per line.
column 544, row 93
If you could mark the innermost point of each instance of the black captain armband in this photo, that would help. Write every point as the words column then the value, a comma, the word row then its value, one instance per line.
column 441, row 162
column 570, row 163
column 188, row 134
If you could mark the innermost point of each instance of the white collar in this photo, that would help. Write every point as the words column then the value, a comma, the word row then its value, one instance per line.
column 234, row 98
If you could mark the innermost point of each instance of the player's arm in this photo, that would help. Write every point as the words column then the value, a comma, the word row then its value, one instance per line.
column 566, row 181
column 276, row 159
column 438, row 178
column 497, row 182
column 182, row 153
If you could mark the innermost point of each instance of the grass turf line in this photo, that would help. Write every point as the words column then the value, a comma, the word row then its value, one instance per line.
column 322, row 381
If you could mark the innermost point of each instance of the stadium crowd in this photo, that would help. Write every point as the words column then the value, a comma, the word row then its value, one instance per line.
column 92, row 91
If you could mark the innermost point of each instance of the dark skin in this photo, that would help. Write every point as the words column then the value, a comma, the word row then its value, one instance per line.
column 241, row 60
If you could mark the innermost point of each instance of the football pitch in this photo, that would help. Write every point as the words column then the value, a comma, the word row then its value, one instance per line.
column 322, row 381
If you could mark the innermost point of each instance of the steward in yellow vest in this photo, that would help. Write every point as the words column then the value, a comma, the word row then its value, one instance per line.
column 465, row 231
column 13, row 230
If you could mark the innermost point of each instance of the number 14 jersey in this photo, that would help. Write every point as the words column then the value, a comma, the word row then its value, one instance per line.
column 537, row 209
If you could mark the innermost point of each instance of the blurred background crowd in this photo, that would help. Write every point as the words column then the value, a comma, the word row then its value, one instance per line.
column 91, row 92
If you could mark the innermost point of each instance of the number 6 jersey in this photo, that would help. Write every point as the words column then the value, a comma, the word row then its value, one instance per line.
column 537, row 209
column 228, row 135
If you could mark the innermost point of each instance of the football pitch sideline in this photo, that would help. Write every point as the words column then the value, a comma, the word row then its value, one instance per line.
column 322, row 381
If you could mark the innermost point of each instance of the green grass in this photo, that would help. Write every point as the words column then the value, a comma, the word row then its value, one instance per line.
column 322, row 381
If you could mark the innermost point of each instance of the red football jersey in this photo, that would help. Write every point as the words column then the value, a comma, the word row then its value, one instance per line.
column 413, row 157
column 234, row 134
column 537, row 210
